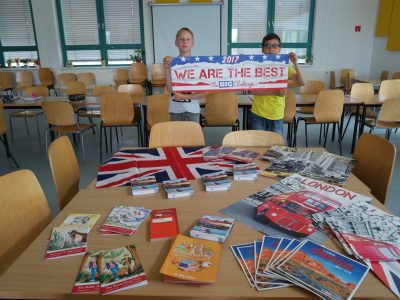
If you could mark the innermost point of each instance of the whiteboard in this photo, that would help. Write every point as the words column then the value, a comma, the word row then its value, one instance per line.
column 204, row 20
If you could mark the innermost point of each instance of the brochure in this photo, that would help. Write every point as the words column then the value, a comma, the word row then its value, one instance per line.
column 212, row 228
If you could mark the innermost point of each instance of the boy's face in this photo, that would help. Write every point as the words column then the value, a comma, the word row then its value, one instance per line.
column 184, row 42
column 271, row 47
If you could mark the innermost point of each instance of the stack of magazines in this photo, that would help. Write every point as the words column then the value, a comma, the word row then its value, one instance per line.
column 144, row 185
column 110, row 271
column 229, row 153
column 212, row 228
column 177, row 188
column 245, row 172
column 217, row 181
column 280, row 262
column 124, row 220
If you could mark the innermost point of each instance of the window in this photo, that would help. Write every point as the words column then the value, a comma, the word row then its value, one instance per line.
column 251, row 20
column 96, row 30
column 17, row 34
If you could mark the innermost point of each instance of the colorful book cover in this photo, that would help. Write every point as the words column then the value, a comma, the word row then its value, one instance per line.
column 125, row 219
column 84, row 219
column 67, row 240
column 324, row 272
column 193, row 260
column 163, row 224
column 241, row 262
column 144, row 185
column 88, row 279
column 121, row 269
column 212, row 228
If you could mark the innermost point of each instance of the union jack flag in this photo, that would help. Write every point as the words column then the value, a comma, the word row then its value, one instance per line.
column 164, row 163
column 388, row 272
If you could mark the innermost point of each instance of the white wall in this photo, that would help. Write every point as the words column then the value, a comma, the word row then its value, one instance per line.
column 336, row 44
column 383, row 59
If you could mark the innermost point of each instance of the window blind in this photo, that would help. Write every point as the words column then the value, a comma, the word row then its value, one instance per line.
column 16, row 27
column 80, row 22
column 122, row 21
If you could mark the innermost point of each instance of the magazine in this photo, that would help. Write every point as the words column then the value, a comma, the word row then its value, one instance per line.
column 212, row 228
column 121, row 269
column 84, row 219
column 178, row 188
column 144, row 185
column 218, row 181
column 245, row 172
column 292, row 199
column 241, row 155
column 216, row 152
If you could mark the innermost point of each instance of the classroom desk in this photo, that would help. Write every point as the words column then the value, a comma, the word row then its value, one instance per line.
column 31, row 277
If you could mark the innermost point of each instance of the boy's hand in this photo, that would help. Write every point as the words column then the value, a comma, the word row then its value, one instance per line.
column 167, row 62
column 293, row 57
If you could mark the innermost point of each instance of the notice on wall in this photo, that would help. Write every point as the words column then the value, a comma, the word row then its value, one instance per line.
column 229, row 72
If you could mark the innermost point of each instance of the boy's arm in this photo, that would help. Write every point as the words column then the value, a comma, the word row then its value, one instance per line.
column 167, row 67
column 298, row 77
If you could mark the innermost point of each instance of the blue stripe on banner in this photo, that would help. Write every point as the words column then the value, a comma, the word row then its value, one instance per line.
column 230, row 59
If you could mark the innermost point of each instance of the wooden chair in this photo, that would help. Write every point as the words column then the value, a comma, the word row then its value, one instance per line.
column 332, row 80
column 328, row 109
column 176, row 134
column 138, row 73
column 88, row 79
column 3, row 134
column 389, row 89
column 157, row 110
column 100, row 90
column 64, row 79
column 24, row 79
column 376, row 158
column 384, row 75
column 65, row 169
column 46, row 78
column 289, row 116
column 157, row 75
column 7, row 82
column 221, row 109
column 312, row 87
column 117, row 110
column 396, row 75
column 76, row 88
column 131, row 89
column 121, row 76
column 24, row 214
column 388, row 118
column 252, row 138
column 34, row 91
column 344, row 73
column 60, row 116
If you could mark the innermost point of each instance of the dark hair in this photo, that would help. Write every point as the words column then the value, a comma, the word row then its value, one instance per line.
column 184, row 29
column 271, row 36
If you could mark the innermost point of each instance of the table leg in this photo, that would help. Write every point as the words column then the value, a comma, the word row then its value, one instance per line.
column 356, row 120
column 362, row 120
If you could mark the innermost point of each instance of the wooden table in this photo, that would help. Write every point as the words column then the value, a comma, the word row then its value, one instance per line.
column 30, row 277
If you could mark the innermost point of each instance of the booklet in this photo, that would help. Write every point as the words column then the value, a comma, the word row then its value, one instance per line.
column 212, row 228
column 178, row 188
column 218, row 181
column 144, row 185
column 241, row 155
column 163, row 224
column 67, row 240
column 121, row 269
column 84, row 219
column 245, row 172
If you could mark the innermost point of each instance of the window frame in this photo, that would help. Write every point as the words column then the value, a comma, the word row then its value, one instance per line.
column 3, row 49
column 102, row 46
column 270, row 28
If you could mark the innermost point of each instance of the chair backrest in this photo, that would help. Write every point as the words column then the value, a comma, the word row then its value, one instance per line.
column 117, row 109
column 177, row 134
column 375, row 162
column 157, row 72
column 88, row 79
column 121, row 76
column 65, row 169
column 24, row 79
column 221, row 108
column 329, row 106
column 24, row 214
column 131, row 89
column 138, row 72
column 389, row 89
column 312, row 87
column 344, row 73
column 6, row 80
column 348, row 83
column 76, row 87
column 3, row 124
column 252, row 138
column 384, row 75
column 362, row 88
column 46, row 76
column 58, row 113
column 99, row 90
column 396, row 75
column 157, row 109
column 38, row 90
column 332, row 80
column 390, row 111
column 290, row 106
column 64, row 78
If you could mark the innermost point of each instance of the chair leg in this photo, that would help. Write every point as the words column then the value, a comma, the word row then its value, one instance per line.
column 116, row 134
column 11, row 128
column 111, row 146
column 91, row 122
column 83, row 148
column 26, row 125
column 347, row 124
column 105, row 138
column 101, row 144
column 38, row 130
column 320, row 131
column 305, row 128
column 8, row 152
column 326, row 133
column 340, row 134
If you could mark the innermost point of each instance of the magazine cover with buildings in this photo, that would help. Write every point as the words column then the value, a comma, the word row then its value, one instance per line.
column 284, row 209
column 326, row 273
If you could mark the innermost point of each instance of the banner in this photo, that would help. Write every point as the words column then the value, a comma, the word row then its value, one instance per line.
column 229, row 72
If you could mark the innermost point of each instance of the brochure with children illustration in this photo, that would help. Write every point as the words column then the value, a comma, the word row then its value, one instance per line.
column 84, row 219
column 212, row 228
column 324, row 272
column 121, row 269
column 192, row 260
column 67, row 240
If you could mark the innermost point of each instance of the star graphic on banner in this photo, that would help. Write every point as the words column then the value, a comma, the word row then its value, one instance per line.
column 251, row 57
column 264, row 57
column 278, row 56
column 210, row 58
column 183, row 59
column 197, row 58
